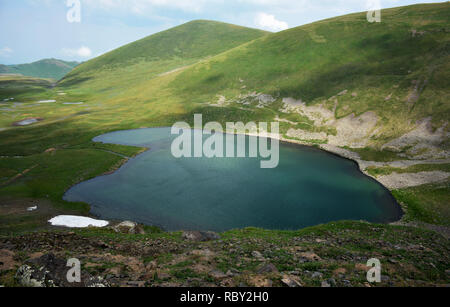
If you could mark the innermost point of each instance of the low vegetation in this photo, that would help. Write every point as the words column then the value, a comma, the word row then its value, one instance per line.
column 398, row 70
column 47, row 68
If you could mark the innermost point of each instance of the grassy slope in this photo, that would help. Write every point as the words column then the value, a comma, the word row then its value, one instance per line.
column 317, row 61
column 409, row 256
column 130, row 87
column 47, row 68
column 160, row 53
column 21, row 87
column 132, row 95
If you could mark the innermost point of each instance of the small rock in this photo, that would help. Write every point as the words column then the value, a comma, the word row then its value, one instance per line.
column 261, row 281
column 103, row 245
column 136, row 284
column 162, row 275
column 316, row 275
column 310, row 256
column 217, row 274
column 267, row 268
column 97, row 282
column 200, row 236
column 151, row 265
column 325, row 284
column 230, row 273
column 361, row 267
column 291, row 281
column 257, row 255
column 347, row 283
column 115, row 271
column 340, row 271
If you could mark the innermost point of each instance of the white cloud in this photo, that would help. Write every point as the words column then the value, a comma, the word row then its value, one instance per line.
column 269, row 22
column 6, row 52
column 82, row 52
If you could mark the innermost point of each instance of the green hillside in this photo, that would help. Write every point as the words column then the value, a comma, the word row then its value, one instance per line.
column 397, row 68
column 394, row 74
column 164, row 51
column 47, row 68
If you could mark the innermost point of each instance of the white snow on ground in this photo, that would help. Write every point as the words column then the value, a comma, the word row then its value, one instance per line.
column 27, row 122
column 32, row 209
column 46, row 101
column 77, row 221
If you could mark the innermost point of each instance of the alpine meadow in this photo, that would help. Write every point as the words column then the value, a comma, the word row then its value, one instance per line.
column 367, row 101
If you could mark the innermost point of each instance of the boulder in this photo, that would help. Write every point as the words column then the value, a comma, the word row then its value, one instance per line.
column 50, row 271
column 129, row 227
column 291, row 281
column 267, row 268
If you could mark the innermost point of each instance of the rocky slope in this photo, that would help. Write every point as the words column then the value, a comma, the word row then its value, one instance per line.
column 330, row 255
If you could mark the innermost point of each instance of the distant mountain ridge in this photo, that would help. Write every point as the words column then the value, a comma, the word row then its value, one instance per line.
column 46, row 68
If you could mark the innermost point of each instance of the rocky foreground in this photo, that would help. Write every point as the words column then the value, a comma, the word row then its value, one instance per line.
column 333, row 255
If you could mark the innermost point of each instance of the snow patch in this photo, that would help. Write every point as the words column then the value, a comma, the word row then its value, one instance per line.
column 27, row 122
column 73, row 103
column 77, row 222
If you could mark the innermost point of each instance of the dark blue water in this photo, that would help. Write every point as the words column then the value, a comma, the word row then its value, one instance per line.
column 309, row 187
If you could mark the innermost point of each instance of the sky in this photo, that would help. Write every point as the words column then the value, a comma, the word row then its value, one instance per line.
column 35, row 29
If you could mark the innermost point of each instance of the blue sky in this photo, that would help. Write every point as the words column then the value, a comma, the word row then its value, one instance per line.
column 37, row 29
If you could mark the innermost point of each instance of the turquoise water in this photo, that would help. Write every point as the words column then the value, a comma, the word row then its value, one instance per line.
column 309, row 187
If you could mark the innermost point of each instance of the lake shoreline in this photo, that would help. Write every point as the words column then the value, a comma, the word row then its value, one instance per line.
column 146, row 147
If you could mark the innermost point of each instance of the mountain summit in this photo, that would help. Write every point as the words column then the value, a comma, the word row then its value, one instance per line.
column 179, row 46
column 46, row 68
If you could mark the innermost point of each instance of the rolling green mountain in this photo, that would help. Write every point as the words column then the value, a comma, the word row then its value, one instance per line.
column 359, row 83
column 341, row 81
column 164, row 51
column 47, row 68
